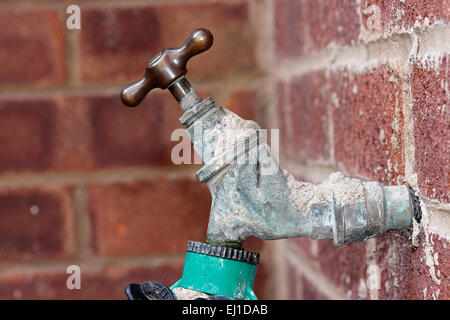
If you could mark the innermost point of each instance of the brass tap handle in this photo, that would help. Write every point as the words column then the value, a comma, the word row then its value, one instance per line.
column 166, row 67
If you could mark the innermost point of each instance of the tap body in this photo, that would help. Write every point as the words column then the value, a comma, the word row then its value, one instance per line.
column 253, row 196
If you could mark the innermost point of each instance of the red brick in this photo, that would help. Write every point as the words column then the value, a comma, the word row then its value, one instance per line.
column 260, row 286
column 404, row 272
column 133, row 136
column 34, row 43
column 244, row 103
column 282, row 95
column 407, row 14
column 310, row 291
column 308, row 247
column 72, row 141
column 308, row 26
column 85, row 132
column 117, row 42
column 285, row 121
column 432, row 127
column 300, row 287
column 253, row 244
column 157, row 216
column 36, row 223
column 26, row 134
column 368, row 124
column 290, row 30
column 403, row 268
column 130, row 136
column 96, row 282
column 304, row 122
column 45, row 134
column 344, row 266
column 332, row 22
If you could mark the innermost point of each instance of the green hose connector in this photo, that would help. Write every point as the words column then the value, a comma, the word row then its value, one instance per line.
column 216, row 275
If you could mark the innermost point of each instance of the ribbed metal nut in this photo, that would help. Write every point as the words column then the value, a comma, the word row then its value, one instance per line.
column 196, row 111
column 223, row 252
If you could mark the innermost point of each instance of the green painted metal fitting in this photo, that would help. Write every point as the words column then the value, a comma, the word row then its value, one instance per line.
column 219, row 271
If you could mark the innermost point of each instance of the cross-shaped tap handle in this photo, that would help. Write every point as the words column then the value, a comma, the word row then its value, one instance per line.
column 166, row 67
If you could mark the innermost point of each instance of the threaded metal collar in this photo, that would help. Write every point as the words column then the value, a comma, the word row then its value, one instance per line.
column 223, row 252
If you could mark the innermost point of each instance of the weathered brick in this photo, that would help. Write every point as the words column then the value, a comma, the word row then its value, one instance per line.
column 432, row 127
column 33, row 44
column 307, row 246
column 72, row 140
column 260, row 286
column 85, row 132
column 157, row 216
column 368, row 124
column 130, row 136
column 36, row 223
column 45, row 134
column 244, row 103
column 300, row 287
column 407, row 272
column 290, row 30
column 311, row 292
column 304, row 120
column 332, row 22
column 134, row 136
column 345, row 266
column 253, row 244
column 27, row 131
column 106, row 44
column 285, row 121
column 96, row 282
column 407, row 14
column 294, row 285
column 308, row 26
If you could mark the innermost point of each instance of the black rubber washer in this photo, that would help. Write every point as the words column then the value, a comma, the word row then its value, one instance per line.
column 150, row 290
column 416, row 205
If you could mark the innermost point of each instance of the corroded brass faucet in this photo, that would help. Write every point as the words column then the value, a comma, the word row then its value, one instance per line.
column 251, row 194
column 248, row 200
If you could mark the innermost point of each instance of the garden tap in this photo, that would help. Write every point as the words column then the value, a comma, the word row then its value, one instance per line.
column 251, row 194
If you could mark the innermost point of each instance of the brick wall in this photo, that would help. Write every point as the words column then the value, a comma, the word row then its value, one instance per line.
column 359, row 86
column 362, row 87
